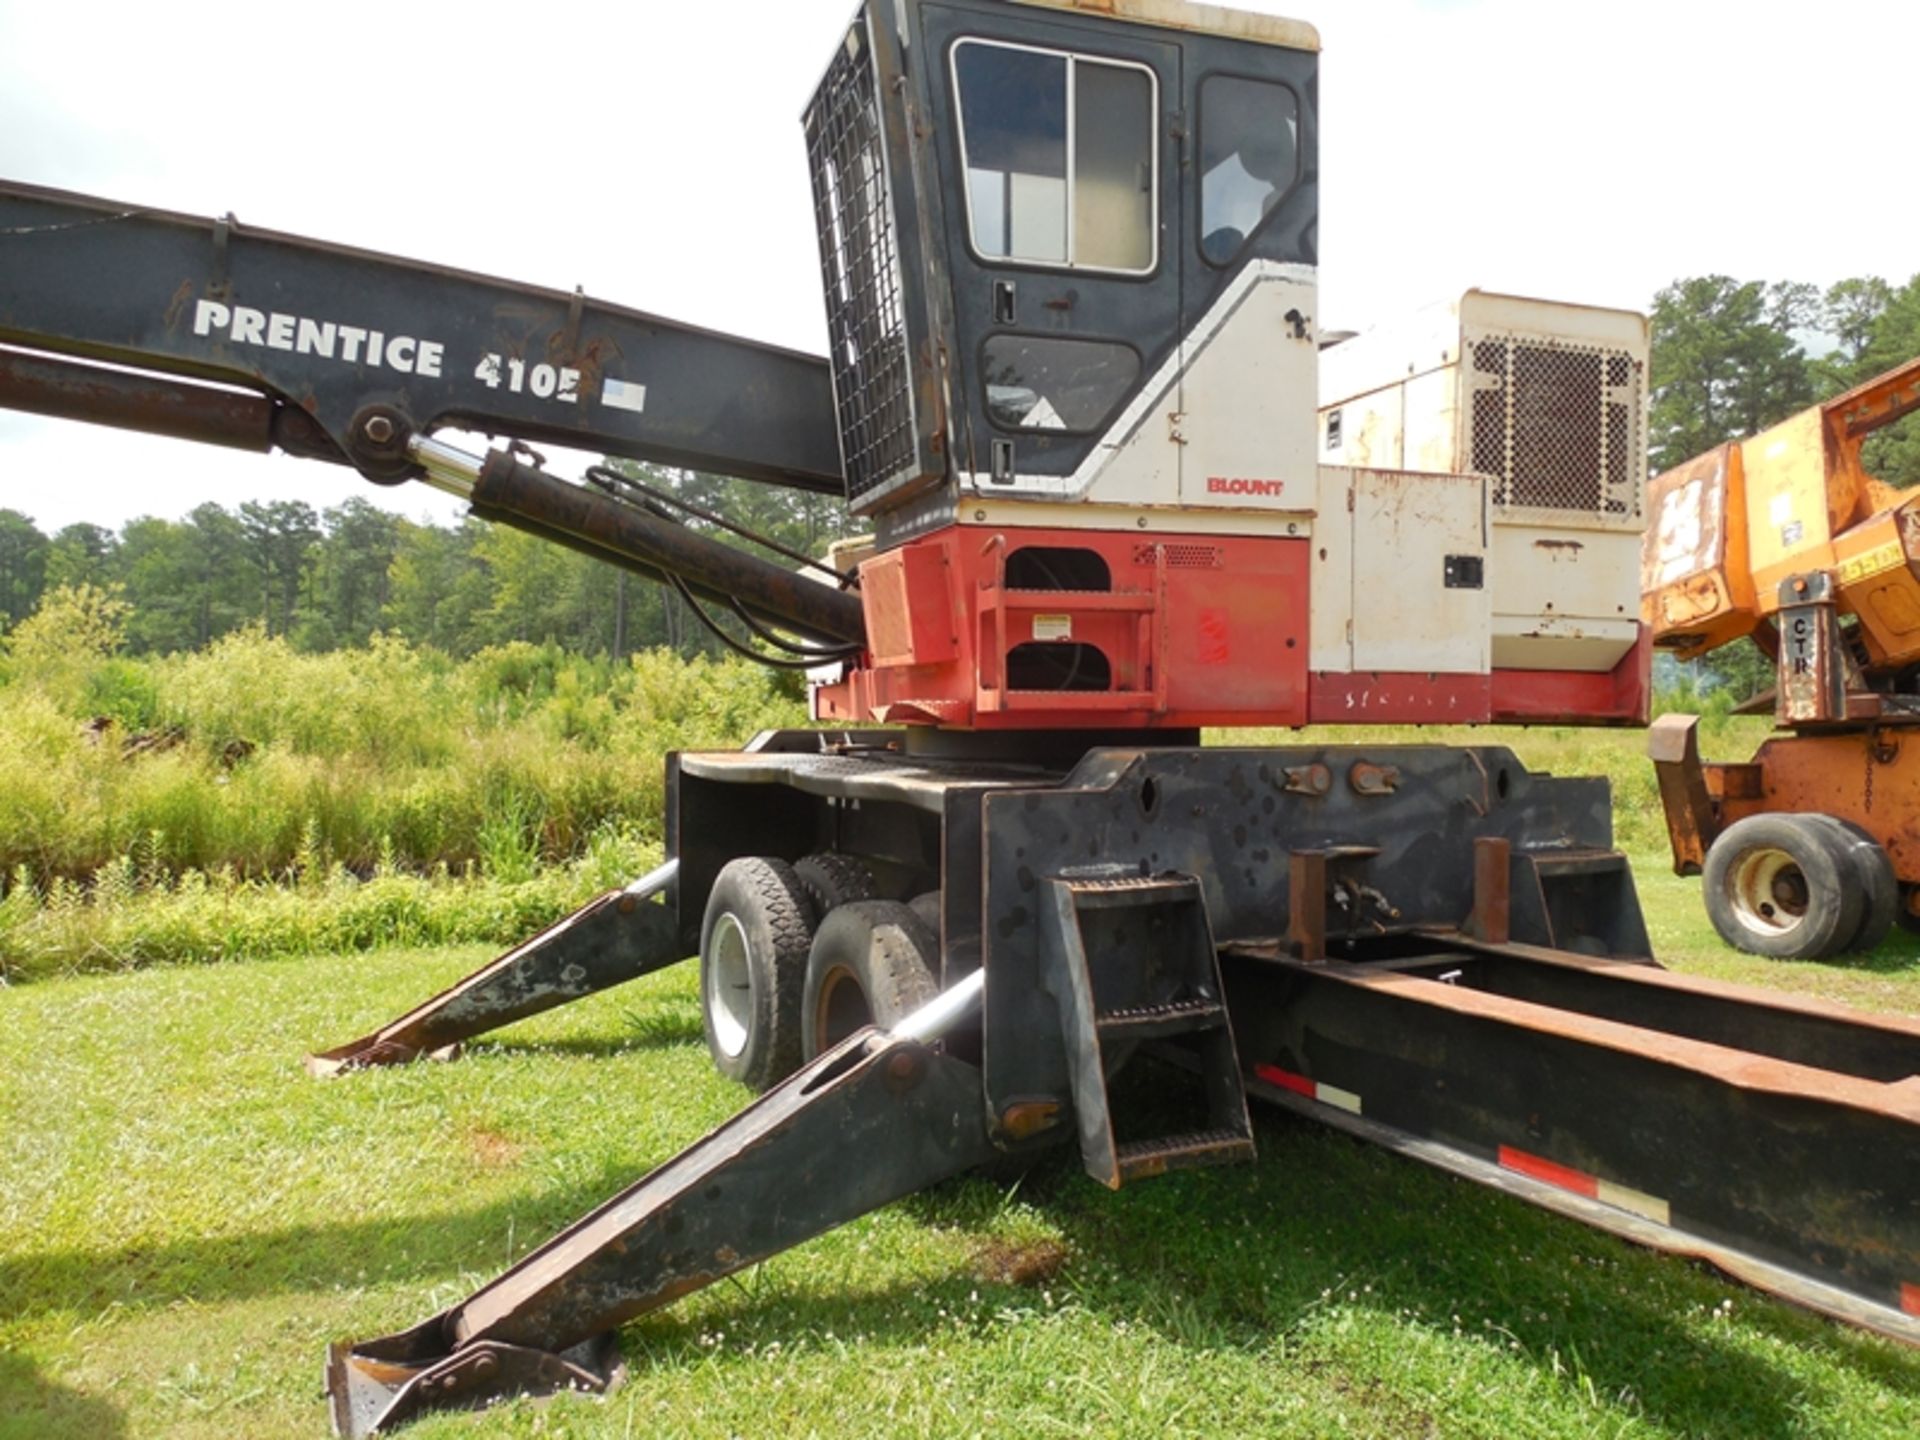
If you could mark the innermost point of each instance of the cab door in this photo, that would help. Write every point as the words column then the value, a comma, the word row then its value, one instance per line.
column 1059, row 160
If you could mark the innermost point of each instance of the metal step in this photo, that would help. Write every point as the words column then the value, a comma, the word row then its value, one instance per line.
column 1160, row 1022
column 1152, row 975
column 1143, row 1159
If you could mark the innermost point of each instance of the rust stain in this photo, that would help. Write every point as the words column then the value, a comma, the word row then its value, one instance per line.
column 177, row 306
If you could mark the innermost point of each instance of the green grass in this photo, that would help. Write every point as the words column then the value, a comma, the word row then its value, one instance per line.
column 186, row 1220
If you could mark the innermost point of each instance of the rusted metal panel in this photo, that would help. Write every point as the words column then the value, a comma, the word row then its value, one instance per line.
column 1867, row 776
column 1812, row 661
column 1492, row 916
column 1307, row 904
column 1673, row 744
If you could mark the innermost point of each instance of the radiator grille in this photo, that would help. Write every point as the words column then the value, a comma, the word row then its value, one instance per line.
column 860, row 269
column 1557, row 427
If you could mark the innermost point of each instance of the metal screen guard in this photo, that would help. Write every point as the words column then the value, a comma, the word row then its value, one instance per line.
column 869, row 351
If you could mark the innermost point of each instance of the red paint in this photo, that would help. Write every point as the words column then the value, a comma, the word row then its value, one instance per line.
column 1622, row 696
column 1224, row 485
column 1214, row 646
column 1559, row 1176
column 1193, row 630
column 1285, row 1079
column 1910, row 1299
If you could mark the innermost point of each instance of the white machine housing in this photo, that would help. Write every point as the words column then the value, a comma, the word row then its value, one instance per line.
column 1547, row 402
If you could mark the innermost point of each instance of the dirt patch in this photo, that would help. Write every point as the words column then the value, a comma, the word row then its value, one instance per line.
column 493, row 1150
column 1000, row 1262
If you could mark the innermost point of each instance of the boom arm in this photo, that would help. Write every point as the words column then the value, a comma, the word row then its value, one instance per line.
column 347, row 334
column 357, row 357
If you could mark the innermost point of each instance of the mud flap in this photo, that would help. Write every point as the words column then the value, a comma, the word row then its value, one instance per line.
column 875, row 1118
column 621, row 936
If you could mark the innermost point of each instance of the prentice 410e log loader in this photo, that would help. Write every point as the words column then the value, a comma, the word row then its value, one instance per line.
column 1068, row 251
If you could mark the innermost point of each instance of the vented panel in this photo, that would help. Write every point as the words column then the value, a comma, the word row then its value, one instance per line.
column 1180, row 556
column 1557, row 427
column 860, row 269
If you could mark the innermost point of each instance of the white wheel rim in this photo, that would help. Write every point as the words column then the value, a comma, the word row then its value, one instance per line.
column 729, row 986
column 1768, row 892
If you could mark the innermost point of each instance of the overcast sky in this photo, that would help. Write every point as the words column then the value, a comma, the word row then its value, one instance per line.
column 652, row 153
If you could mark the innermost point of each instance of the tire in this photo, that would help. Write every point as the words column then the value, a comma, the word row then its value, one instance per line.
column 1879, row 890
column 832, row 880
column 753, row 966
column 1783, row 886
column 872, row 963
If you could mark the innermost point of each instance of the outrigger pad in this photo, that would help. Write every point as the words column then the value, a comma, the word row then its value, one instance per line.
column 380, row 1385
column 372, row 1050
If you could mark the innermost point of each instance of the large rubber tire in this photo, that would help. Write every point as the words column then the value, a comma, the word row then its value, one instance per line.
column 754, row 941
column 872, row 963
column 1783, row 886
column 832, row 880
column 1879, row 889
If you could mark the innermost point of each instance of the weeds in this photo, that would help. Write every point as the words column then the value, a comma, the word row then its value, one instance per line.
column 279, row 765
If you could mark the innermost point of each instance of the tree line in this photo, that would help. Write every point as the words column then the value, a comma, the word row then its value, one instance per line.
column 1732, row 357
column 330, row 579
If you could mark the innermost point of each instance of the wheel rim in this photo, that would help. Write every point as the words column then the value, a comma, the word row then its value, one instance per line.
column 843, row 1008
column 729, row 985
column 1768, row 892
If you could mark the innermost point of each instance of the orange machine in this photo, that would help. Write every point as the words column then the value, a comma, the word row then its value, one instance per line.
column 1813, row 846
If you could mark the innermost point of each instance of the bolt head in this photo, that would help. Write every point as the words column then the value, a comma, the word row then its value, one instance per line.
column 378, row 429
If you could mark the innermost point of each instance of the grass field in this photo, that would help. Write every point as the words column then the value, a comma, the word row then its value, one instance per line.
column 186, row 1220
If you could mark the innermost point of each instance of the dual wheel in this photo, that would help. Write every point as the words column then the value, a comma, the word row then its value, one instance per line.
column 1800, row 887
column 795, row 958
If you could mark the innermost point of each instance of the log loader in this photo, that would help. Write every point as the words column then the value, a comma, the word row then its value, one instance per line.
column 1812, row 847
column 1068, row 252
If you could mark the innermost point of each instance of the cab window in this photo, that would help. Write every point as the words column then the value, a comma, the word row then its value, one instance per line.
column 1059, row 152
column 1249, row 158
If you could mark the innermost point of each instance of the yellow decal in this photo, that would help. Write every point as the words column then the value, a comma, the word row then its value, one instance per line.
column 1882, row 557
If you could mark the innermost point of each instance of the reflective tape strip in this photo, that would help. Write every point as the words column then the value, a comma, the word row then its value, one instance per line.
column 1563, row 1177
column 1313, row 1089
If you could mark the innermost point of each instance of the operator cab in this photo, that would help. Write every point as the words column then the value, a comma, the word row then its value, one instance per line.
column 1025, row 255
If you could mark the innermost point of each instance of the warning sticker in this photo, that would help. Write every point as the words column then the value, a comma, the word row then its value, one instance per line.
column 1053, row 627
